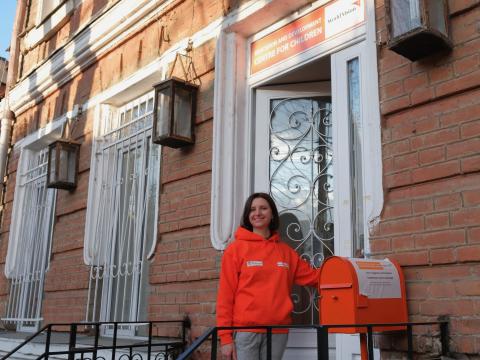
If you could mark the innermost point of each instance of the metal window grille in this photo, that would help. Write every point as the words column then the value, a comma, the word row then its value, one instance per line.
column 121, row 224
column 30, row 240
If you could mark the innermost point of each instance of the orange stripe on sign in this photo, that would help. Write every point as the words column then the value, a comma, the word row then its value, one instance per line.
column 369, row 265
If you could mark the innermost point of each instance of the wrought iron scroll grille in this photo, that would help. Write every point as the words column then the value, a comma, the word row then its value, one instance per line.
column 32, row 242
column 126, row 185
column 301, row 183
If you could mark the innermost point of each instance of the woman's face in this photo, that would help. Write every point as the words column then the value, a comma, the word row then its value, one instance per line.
column 260, row 214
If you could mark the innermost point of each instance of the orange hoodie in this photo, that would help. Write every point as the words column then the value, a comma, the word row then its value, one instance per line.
column 256, row 282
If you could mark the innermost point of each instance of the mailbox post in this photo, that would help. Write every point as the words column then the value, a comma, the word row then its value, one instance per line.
column 361, row 291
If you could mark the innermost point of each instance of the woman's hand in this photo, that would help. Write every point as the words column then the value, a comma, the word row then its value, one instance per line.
column 228, row 351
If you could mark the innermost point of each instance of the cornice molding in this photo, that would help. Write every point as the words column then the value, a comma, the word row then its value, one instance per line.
column 103, row 35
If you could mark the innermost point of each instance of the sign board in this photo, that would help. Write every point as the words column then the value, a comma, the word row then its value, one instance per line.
column 377, row 279
column 306, row 32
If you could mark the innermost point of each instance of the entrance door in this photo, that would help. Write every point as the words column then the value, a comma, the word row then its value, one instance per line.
column 312, row 147
column 294, row 162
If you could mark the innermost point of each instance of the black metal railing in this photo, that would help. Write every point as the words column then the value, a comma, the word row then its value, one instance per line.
column 322, row 337
column 115, row 344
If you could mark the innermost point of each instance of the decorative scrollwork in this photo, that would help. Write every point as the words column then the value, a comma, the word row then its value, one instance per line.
column 302, row 300
column 302, row 182
column 167, row 355
column 133, row 356
column 161, row 356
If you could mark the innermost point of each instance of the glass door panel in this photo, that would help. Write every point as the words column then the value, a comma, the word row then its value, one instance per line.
column 301, row 183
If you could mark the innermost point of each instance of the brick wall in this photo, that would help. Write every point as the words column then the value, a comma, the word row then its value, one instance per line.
column 431, row 164
column 184, row 273
column 184, row 270
column 430, row 131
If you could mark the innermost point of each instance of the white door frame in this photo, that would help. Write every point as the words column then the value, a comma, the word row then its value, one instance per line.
column 234, row 105
column 346, row 346
column 233, row 102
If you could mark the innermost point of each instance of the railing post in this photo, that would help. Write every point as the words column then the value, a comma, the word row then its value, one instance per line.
column 214, row 345
column 410, row 341
column 149, row 349
column 322, row 343
column 72, row 342
column 370, row 342
column 444, row 338
column 95, row 346
column 269, row 343
column 47, row 341
column 114, row 344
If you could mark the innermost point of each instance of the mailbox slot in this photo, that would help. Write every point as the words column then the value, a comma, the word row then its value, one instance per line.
column 335, row 286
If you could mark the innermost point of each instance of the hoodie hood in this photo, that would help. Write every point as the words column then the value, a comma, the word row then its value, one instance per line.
column 246, row 235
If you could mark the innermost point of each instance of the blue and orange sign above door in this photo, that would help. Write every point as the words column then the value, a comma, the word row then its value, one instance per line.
column 306, row 32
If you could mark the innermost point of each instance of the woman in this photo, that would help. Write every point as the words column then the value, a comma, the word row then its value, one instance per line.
column 257, row 274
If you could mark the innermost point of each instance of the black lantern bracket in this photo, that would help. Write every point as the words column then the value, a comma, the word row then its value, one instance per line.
column 64, row 156
column 187, row 65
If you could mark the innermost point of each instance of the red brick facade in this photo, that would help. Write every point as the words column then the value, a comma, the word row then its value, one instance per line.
column 431, row 145
column 184, row 271
column 431, row 174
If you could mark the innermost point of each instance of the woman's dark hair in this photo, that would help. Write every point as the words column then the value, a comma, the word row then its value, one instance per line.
column 245, row 221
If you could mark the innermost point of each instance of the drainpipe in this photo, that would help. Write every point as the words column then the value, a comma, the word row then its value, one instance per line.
column 8, row 117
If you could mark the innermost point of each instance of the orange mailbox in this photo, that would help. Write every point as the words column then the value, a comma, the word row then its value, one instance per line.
column 361, row 291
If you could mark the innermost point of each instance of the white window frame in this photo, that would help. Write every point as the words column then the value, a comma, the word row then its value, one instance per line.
column 49, row 22
column 233, row 103
column 370, row 145
column 98, row 255
column 47, row 7
column 24, row 307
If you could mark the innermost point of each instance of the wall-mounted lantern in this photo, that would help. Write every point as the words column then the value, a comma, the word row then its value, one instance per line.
column 175, row 105
column 63, row 159
column 174, row 113
column 417, row 28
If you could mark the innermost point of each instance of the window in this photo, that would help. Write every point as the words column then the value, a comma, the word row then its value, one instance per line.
column 50, row 17
column 30, row 240
column 355, row 137
column 122, row 212
column 47, row 7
